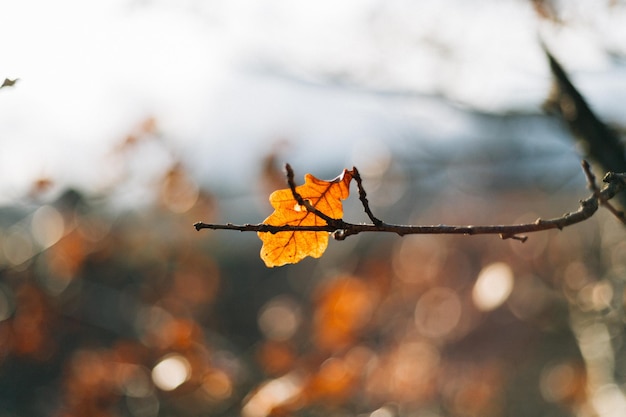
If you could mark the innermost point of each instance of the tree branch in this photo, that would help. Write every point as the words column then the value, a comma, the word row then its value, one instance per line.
column 592, row 186
column 614, row 184
column 363, row 197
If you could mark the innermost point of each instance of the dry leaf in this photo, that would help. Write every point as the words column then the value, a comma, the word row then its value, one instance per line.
column 291, row 247
column 9, row 83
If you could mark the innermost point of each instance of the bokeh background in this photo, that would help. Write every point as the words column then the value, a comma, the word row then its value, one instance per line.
column 132, row 119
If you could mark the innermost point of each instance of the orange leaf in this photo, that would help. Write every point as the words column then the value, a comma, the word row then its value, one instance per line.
column 291, row 247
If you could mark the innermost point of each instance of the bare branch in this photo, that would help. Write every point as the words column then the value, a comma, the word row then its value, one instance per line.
column 592, row 186
column 591, row 179
column 615, row 183
column 263, row 228
column 363, row 197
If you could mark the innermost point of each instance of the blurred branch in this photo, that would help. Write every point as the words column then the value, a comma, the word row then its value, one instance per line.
column 601, row 142
column 614, row 184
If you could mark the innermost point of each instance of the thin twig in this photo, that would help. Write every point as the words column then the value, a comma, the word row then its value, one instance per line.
column 521, row 238
column 592, row 186
column 591, row 179
column 363, row 198
column 615, row 183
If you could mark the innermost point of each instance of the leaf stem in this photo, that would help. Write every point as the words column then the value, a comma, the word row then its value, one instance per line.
column 335, row 223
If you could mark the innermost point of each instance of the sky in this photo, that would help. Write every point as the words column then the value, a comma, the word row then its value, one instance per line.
column 226, row 79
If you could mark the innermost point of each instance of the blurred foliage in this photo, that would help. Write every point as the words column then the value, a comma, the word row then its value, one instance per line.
column 130, row 312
